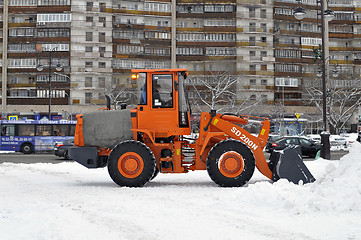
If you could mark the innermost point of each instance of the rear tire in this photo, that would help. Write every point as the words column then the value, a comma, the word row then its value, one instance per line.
column 230, row 163
column 27, row 148
column 131, row 164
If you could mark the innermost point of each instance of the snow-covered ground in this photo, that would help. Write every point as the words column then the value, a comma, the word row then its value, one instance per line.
column 68, row 201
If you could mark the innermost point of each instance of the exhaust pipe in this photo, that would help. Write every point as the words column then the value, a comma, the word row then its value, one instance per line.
column 108, row 101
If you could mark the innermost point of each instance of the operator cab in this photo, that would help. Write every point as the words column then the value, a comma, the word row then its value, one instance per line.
column 162, row 106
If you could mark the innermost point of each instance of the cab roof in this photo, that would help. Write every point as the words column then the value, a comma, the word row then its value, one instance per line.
column 159, row 70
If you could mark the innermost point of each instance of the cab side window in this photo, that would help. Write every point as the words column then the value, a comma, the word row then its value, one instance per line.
column 142, row 88
column 162, row 90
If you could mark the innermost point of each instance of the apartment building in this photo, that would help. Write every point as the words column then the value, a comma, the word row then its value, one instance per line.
column 96, row 43
column 37, row 44
column 295, row 41
column 91, row 51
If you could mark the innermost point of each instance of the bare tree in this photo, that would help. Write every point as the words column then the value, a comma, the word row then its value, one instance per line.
column 343, row 99
column 218, row 88
column 118, row 95
column 218, row 91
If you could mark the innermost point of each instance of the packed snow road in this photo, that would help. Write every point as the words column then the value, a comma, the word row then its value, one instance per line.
column 68, row 201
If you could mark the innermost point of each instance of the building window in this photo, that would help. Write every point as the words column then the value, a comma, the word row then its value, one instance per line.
column 252, row 41
column 89, row 6
column 88, row 97
column 88, row 64
column 287, row 82
column 264, row 97
column 263, row 53
column 88, row 36
column 101, row 64
column 102, row 7
column 101, row 51
column 52, row 33
column 102, row 37
column 101, row 82
column 252, row 53
column 263, row 39
column 264, row 27
column 89, row 19
column 253, row 97
column 252, row 27
column 101, row 96
column 264, row 82
column 264, row 67
column 252, row 82
column 252, row 12
column 102, row 20
column 88, row 82
column 252, row 67
column 263, row 13
column 88, row 49
column 56, row 17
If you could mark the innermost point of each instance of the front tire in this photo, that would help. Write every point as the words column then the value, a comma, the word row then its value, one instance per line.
column 230, row 163
column 131, row 164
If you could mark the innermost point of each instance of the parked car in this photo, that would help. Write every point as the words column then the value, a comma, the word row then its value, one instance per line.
column 308, row 147
column 272, row 139
column 315, row 138
column 61, row 149
column 336, row 140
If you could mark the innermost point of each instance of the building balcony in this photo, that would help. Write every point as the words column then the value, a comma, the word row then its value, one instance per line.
column 23, row 24
column 54, row 9
column 208, row 15
column 21, row 85
column 257, row 87
column 36, row 101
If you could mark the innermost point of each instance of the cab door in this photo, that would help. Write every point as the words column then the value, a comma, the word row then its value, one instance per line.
column 159, row 114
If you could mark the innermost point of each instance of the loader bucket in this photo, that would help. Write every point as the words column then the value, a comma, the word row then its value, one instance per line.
column 288, row 164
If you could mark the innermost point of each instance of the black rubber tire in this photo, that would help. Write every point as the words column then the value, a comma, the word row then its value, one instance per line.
column 27, row 148
column 223, row 147
column 146, row 156
column 155, row 173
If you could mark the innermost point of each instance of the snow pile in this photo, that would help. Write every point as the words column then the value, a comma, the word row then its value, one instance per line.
column 68, row 201
column 337, row 188
column 343, row 183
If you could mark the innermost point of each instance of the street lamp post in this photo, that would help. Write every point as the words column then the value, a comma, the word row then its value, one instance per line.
column 40, row 68
column 325, row 135
column 326, row 15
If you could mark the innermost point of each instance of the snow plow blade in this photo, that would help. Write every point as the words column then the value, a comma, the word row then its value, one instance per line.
column 288, row 164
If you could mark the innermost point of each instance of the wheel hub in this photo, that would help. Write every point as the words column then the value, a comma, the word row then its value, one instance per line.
column 130, row 165
column 231, row 164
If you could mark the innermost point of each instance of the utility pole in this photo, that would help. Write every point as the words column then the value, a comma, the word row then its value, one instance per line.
column 5, row 60
column 325, row 135
column 174, row 35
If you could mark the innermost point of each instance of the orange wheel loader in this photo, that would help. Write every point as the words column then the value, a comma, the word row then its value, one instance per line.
column 137, row 144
